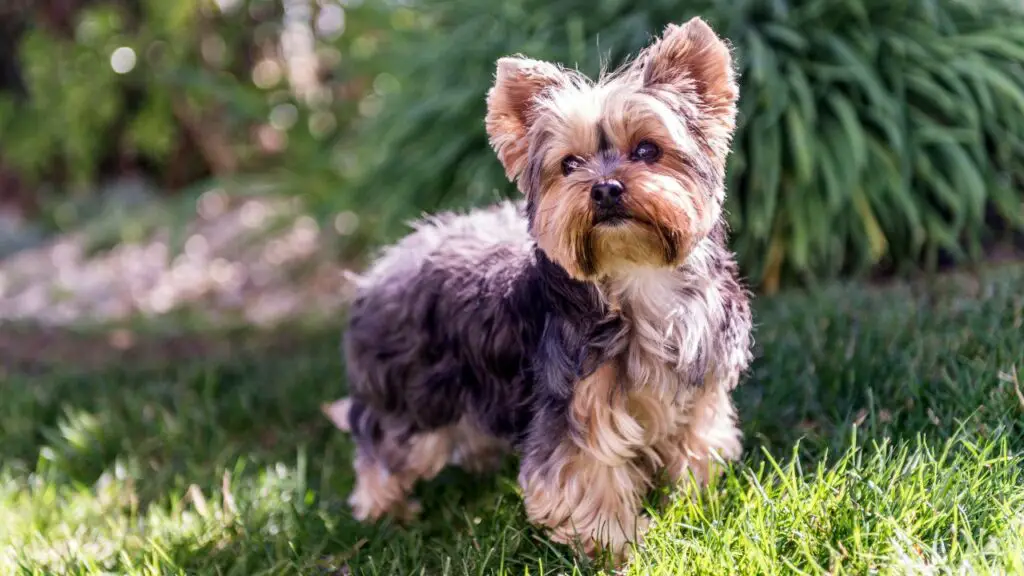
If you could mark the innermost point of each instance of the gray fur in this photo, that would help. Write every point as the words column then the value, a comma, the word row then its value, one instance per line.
column 466, row 318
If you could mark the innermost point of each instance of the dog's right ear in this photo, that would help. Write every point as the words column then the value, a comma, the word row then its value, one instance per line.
column 511, row 107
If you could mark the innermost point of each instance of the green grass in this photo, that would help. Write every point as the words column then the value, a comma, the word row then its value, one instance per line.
column 884, row 434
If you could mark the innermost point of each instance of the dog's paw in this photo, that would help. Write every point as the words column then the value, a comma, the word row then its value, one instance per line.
column 369, row 510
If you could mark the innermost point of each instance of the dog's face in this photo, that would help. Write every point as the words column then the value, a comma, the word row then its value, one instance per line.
column 627, row 171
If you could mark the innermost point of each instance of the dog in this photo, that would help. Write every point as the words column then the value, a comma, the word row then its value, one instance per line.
column 595, row 328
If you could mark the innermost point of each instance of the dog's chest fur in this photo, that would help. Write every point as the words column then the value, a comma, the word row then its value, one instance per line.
column 646, row 394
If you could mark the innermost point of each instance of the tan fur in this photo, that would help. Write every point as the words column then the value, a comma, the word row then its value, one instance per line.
column 663, row 403
column 590, row 494
column 638, row 414
column 614, row 425
column 635, row 416
column 337, row 413
column 705, row 441
column 511, row 103
column 561, row 225
column 672, row 206
column 584, row 502
column 691, row 59
column 475, row 450
column 379, row 491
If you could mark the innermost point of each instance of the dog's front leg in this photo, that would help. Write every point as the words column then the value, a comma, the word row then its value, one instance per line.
column 700, row 449
column 582, row 501
column 581, row 477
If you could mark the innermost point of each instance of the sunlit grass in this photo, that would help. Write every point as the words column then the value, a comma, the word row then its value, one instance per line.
column 884, row 434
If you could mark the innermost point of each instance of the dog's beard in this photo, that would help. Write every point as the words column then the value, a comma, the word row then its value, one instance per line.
column 588, row 246
column 626, row 241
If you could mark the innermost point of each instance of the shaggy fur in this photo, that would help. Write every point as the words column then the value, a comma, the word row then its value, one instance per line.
column 597, row 336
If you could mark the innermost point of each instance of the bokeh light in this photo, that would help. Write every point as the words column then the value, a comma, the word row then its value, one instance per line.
column 330, row 21
column 284, row 116
column 123, row 60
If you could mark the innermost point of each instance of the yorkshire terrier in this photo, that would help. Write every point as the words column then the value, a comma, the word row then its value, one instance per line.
column 596, row 329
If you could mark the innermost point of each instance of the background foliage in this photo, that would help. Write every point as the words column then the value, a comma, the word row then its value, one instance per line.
column 874, row 134
column 207, row 90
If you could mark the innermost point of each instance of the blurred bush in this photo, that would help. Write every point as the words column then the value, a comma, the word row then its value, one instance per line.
column 873, row 133
column 183, row 92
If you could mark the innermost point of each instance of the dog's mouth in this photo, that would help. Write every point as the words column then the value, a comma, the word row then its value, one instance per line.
column 619, row 217
column 611, row 220
column 612, row 217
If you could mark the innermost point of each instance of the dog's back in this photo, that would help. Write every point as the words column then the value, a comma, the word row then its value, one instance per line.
column 438, row 333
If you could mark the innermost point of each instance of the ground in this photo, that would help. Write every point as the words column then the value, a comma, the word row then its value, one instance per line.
column 883, row 433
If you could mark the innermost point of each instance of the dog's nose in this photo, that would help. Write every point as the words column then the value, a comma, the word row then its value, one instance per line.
column 607, row 193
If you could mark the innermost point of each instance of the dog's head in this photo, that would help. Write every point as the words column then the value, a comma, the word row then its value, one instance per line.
column 626, row 171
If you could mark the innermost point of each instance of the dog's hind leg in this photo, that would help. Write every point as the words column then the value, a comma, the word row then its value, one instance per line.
column 474, row 450
column 389, row 460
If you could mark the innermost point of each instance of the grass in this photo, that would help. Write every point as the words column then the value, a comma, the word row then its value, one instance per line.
column 883, row 425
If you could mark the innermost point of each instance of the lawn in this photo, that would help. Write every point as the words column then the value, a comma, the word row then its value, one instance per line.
column 884, row 434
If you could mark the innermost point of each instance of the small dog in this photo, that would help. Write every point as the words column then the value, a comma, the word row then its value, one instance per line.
column 596, row 329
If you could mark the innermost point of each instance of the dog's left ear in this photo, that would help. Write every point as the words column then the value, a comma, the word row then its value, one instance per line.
column 692, row 60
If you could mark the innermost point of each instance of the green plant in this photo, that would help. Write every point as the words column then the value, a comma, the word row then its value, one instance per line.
column 182, row 91
column 872, row 133
column 869, row 449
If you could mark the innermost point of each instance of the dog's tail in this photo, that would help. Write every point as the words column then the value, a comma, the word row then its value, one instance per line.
column 337, row 412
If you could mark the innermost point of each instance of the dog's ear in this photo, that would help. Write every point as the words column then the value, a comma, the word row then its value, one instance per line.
column 511, row 107
column 693, row 61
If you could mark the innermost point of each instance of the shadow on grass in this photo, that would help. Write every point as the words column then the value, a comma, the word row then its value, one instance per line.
column 897, row 361
column 245, row 407
column 241, row 422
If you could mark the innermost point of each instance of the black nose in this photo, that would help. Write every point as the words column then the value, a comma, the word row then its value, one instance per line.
column 606, row 194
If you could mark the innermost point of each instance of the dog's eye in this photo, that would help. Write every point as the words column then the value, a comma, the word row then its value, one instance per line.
column 571, row 164
column 646, row 151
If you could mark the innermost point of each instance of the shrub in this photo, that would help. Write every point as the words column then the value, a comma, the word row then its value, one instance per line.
column 183, row 91
column 872, row 132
